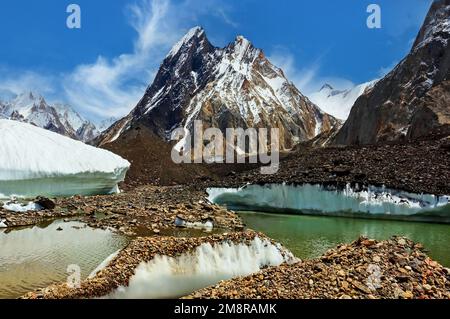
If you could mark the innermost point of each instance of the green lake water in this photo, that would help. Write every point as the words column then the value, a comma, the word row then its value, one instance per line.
column 310, row 236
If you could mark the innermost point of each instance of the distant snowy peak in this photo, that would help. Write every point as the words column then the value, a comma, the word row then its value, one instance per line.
column 326, row 87
column 105, row 124
column 31, row 107
column 234, row 86
column 339, row 102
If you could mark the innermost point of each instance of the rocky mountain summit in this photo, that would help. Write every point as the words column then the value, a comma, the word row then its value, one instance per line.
column 235, row 86
column 413, row 100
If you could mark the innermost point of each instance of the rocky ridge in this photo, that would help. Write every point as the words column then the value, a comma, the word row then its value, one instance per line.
column 413, row 100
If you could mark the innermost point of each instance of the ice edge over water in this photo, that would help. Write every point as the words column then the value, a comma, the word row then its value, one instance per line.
column 168, row 277
column 319, row 199
column 104, row 264
column 36, row 162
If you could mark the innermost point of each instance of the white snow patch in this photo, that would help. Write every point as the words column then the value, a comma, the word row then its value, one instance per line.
column 208, row 225
column 21, row 208
column 168, row 277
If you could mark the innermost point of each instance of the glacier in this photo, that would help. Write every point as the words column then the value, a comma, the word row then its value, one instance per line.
column 315, row 199
column 36, row 162
column 174, row 277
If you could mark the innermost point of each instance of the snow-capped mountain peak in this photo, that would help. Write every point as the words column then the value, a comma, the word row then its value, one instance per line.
column 194, row 33
column 234, row 86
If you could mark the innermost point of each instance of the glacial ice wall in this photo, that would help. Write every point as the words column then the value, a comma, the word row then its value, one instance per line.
column 318, row 199
column 168, row 277
column 34, row 162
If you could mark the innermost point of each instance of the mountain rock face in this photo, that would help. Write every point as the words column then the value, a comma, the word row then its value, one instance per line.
column 229, row 87
column 412, row 101
column 32, row 108
column 338, row 103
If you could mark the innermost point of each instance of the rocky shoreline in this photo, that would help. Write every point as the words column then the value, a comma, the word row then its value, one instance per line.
column 365, row 269
column 146, row 210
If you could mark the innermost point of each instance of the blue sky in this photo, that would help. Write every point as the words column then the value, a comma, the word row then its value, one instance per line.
column 103, row 68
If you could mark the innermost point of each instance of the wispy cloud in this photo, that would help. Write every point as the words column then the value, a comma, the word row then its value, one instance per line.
column 307, row 79
column 112, row 87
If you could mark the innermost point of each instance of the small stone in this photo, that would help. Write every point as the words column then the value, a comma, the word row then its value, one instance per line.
column 376, row 259
column 59, row 229
column 368, row 242
column 45, row 203
column 427, row 287
column 344, row 285
column 408, row 295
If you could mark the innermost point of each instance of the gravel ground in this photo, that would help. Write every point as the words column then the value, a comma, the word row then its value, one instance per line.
column 364, row 269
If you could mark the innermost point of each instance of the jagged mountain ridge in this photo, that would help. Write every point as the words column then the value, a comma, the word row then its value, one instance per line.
column 32, row 108
column 413, row 100
column 229, row 87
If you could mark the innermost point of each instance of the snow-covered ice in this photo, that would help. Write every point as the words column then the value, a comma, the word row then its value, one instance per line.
column 318, row 199
column 168, row 277
column 34, row 162
column 20, row 208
